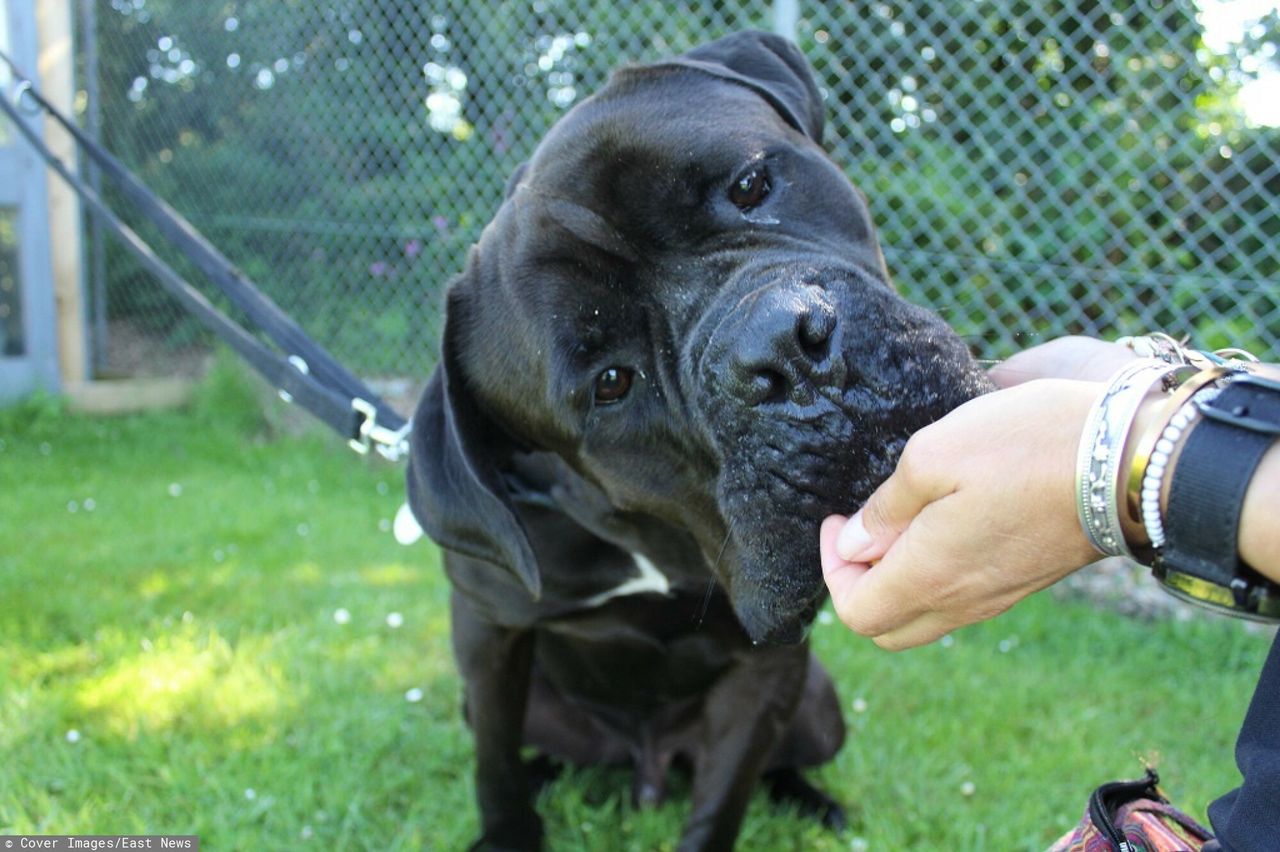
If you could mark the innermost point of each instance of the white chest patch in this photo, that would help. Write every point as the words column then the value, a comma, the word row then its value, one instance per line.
column 405, row 527
column 650, row 580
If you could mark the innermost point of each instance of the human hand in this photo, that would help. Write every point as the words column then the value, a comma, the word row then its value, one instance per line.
column 1075, row 357
column 979, row 513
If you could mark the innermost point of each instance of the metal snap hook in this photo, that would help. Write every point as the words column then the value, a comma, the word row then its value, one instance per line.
column 302, row 367
column 27, row 106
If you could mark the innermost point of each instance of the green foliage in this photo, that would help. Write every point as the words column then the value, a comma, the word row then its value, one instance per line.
column 1259, row 46
column 231, row 398
column 31, row 412
column 1073, row 166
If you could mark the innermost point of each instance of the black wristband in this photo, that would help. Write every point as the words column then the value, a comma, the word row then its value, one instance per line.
column 1210, row 478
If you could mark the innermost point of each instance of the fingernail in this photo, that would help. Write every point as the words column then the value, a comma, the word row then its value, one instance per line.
column 854, row 540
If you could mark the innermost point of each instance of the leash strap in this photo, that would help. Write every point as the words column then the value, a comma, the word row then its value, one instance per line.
column 308, row 375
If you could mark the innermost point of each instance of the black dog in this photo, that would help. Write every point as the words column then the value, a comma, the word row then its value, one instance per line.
column 672, row 352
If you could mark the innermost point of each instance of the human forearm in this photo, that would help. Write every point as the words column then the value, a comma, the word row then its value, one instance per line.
column 1259, row 525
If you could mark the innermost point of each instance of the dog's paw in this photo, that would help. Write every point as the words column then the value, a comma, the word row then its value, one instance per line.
column 542, row 771
column 789, row 788
column 486, row 845
column 510, row 839
column 647, row 794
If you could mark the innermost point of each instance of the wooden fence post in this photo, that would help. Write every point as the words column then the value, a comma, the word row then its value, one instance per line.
column 56, row 64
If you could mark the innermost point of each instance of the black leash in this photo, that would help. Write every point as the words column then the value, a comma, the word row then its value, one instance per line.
column 306, row 374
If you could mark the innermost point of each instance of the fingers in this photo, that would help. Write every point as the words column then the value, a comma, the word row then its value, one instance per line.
column 874, row 600
column 827, row 534
column 867, row 535
column 979, row 513
column 910, row 598
column 1063, row 358
column 929, row 627
column 841, row 576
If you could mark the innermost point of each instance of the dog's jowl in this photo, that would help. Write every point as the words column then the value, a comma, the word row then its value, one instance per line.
column 671, row 353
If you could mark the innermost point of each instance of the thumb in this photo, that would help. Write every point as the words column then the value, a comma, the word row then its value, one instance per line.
column 867, row 535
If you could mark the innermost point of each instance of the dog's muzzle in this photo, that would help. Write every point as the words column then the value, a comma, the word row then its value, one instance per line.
column 810, row 383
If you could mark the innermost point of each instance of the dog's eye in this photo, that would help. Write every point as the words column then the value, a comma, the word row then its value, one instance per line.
column 613, row 384
column 750, row 189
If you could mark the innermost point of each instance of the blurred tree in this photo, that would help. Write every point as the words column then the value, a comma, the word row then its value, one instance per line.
column 1050, row 160
column 1261, row 45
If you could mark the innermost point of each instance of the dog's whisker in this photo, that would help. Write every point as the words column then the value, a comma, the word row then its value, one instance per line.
column 706, row 602
column 711, row 586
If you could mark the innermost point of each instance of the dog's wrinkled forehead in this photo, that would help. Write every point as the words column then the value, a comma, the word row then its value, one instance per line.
column 656, row 134
column 769, row 66
column 676, row 123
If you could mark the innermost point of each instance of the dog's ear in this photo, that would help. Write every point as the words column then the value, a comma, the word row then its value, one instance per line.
column 456, row 488
column 772, row 67
column 514, row 181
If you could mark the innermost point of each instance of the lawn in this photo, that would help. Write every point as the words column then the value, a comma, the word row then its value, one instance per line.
column 207, row 628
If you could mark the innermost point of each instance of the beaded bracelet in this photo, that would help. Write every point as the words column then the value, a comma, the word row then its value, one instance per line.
column 1153, row 476
column 1145, row 448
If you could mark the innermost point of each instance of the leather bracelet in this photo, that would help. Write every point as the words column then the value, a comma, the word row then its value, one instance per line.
column 1210, row 478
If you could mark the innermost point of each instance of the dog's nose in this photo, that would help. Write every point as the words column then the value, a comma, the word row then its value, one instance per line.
column 781, row 349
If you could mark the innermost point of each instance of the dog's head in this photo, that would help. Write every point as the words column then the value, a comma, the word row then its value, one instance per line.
column 684, row 299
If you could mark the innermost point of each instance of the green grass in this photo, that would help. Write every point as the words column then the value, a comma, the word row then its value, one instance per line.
column 182, row 623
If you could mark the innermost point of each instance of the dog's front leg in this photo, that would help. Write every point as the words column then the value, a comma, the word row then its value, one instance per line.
column 744, row 719
column 495, row 665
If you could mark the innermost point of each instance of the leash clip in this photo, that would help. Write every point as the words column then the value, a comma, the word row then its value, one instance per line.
column 391, row 444
column 24, row 104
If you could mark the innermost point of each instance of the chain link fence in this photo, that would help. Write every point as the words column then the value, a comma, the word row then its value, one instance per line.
column 1034, row 168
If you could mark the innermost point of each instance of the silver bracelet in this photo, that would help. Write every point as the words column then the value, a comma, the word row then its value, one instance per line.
column 1098, row 458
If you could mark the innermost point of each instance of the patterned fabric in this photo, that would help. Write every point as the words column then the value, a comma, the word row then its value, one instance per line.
column 1148, row 826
